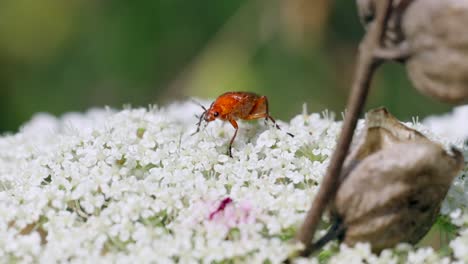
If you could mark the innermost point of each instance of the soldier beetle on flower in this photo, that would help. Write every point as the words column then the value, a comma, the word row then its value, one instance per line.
column 232, row 106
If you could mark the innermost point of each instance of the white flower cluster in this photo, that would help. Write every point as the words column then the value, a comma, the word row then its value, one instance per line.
column 453, row 126
column 136, row 186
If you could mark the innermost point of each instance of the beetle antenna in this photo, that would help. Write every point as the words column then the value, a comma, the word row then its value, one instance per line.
column 200, row 119
column 198, row 103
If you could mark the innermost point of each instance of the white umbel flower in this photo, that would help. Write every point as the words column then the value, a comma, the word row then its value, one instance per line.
column 134, row 186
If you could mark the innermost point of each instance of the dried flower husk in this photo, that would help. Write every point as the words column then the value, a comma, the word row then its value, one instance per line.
column 429, row 36
column 393, row 184
column 437, row 38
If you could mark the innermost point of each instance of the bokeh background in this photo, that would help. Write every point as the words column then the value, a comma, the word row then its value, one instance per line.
column 59, row 56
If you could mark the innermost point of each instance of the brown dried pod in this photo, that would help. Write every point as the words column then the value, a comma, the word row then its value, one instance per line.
column 392, row 185
column 430, row 37
column 438, row 43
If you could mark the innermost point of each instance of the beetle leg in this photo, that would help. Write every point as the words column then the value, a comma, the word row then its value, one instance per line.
column 234, row 124
column 260, row 110
column 267, row 112
column 272, row 120
column 276, row 125
column 268, row 116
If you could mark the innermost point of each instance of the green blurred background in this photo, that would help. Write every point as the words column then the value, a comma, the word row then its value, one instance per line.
column 60, row 56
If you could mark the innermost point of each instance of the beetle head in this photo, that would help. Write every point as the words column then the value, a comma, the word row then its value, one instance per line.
column 208, row 115
column 212, row 113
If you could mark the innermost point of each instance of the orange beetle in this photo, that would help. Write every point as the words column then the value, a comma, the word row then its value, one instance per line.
column 232, row 106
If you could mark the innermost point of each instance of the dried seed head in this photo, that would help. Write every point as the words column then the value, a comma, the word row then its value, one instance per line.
column 395, row 180
column 430, row 37
column 436, row 34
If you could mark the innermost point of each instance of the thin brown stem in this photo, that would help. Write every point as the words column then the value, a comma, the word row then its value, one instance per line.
column 366, row 66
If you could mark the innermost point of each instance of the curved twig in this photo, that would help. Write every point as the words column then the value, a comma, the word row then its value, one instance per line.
column 367, row 63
